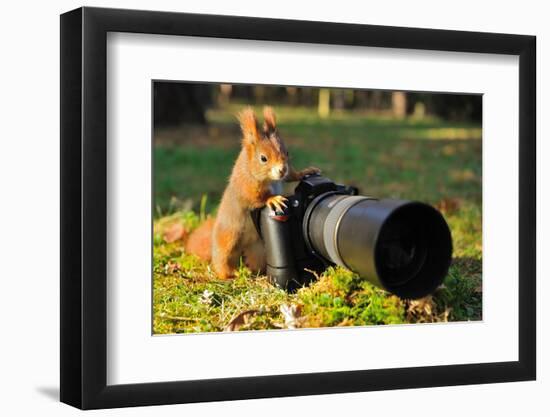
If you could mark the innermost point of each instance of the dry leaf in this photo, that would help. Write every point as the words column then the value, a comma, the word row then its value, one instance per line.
column 346, row 322
column 174, row 232
column 449, row 205
column 172, row 267
column 206, row 297
column 240, row 320
column 422, row 309
column 291, row 313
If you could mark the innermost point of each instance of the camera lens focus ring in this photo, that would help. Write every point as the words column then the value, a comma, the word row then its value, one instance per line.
column 332, row 222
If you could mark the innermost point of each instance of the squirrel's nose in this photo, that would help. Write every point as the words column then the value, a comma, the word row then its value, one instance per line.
column 282, row 172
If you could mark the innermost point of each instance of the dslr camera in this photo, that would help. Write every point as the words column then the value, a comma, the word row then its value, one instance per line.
column 404, row 247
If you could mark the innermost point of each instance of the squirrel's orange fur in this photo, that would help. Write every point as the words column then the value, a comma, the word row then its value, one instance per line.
column 262, row 161
column 200, row 241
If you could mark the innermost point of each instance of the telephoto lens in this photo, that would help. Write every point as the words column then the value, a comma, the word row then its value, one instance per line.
column 404, row 247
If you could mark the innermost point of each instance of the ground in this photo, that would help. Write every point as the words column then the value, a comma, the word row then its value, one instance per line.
column 424, row 159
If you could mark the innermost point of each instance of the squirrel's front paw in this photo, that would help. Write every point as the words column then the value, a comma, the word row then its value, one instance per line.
column 277, row 202
column 309, row 171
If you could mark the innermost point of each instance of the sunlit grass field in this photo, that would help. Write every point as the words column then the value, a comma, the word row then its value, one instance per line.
column 423, row 159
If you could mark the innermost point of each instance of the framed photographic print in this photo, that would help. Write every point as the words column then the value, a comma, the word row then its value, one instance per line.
column 257, row 208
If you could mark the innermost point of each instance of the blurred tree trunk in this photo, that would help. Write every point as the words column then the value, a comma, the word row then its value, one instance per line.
column 361, row 99
column 259, row 94
column 376, row 99
column 349, row 99
column 324, row 103
column 399, row 104
column 224, row 94
column 176, row 103
column 338, row 99
column 292, row 95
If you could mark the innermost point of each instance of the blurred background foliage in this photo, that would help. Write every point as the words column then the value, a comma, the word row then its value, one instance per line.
column 422, row 146
column 177, row 103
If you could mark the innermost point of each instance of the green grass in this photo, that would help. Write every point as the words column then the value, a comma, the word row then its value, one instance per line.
column 428, row 160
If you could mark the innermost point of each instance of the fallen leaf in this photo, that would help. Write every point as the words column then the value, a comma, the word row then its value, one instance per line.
column 172, row 267
column 449, row 205
column 206, row 297
column 174, row 232
column 421, row 309
column 291, row 313
column 346, row 322
column 240, row 320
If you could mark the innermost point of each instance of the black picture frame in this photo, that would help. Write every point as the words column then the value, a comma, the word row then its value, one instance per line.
column 84, row 207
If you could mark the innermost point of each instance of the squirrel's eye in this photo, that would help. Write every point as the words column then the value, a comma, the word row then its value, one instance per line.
column 263, row 158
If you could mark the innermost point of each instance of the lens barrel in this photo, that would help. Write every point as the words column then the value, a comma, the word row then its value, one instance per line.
column 402, row 246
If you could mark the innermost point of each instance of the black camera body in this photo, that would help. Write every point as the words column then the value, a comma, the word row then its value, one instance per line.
column 402, row 246
column 290, row 257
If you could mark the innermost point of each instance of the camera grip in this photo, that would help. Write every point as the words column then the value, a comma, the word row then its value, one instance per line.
column 275, row 231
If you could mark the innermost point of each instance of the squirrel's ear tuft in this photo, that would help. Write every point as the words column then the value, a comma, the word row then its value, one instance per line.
column 269, row 120
column 249, row 126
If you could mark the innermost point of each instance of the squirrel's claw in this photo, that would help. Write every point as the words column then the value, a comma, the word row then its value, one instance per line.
column 309, row 171
column 277, row 202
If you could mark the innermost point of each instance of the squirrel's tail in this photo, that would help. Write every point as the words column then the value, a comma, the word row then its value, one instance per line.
column 199, row 242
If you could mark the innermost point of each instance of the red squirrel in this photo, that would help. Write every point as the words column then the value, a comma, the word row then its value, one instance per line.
column 262, row 162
